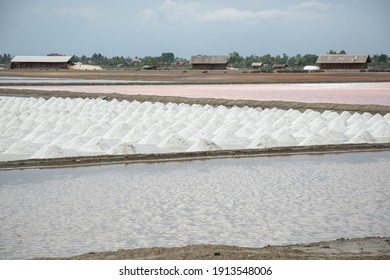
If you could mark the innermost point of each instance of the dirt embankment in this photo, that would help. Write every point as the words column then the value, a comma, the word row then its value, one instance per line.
column 211, row 77
column 370, row 248
column 186, row 156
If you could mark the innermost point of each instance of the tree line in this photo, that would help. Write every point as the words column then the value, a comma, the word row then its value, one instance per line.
column 238, row 61
column 5, row 58
column 165, row 59
column 235, row 60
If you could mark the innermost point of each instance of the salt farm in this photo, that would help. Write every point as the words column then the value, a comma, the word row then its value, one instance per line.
column 251, row 202
column 58, row 127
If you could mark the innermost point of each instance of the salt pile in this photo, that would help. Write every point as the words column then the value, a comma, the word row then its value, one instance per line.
column 203, row 145
column 35, row 127
column 122, row 149
column 265, row 141
column 174, row 141
column 96, row 145
column 22, row 147
column 50, row 151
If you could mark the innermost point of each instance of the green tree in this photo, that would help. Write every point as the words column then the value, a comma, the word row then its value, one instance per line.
column 4, row 59
column 380, row 60
column 266, row 59
column 292, row 61
column 150, row 60
column 167, row 58
column 235, row 59
column 309, row 59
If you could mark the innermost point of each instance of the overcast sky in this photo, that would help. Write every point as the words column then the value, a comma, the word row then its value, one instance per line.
column 151, row 27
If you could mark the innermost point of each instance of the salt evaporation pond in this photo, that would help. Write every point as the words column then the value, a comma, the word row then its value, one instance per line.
column 61, row 127
column 244, row 202
column 35, row 80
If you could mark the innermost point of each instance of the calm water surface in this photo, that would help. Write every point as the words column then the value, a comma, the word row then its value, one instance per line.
column 34, row 80
column 245, row 202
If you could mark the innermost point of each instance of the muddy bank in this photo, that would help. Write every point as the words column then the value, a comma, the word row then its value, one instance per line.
column 187, row 156
column 373, row 109
column 369, row 248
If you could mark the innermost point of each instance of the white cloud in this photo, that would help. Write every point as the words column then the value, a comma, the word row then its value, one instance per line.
column 148, row 15
column 89, row 14
column 312, row 5
column 172, row 11
column 234, row 15
column 178, row 11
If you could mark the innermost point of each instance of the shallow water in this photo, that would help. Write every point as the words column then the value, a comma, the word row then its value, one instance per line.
column 338, row 93
column 34, row 80
column 245, row 202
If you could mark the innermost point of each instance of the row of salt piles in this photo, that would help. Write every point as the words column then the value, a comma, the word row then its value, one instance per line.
column 53, row 127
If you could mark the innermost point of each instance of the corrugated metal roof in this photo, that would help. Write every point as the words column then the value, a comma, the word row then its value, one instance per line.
column 48, row 59
column 209, row 59
column 278, row 65
column 344, row 58
column 257, row 64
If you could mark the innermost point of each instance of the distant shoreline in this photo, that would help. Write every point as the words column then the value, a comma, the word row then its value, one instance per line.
column 369, row 248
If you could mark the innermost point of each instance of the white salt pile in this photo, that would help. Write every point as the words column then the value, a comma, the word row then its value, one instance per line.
column 35, row 127
column 50, row 151
column 174, row 141
column 362, row 137
column 96, row 145
column 264, row 141
column 122, row 149
column 203, row 145
column 22, row 147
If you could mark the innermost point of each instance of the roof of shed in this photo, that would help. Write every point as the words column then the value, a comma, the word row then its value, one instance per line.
column 279, row 65
column 209, row 59
column 344, row 58
column 257, row 64
column 48, row 59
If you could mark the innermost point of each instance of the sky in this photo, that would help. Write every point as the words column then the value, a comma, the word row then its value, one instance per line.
column 133, row 28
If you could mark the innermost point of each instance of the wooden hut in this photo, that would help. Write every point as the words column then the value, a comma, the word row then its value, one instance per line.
column 343, row 61
column 41, row 62
column 209, row 62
